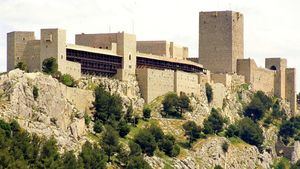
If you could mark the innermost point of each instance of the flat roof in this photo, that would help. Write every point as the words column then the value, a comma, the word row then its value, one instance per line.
column 174, row 60
column 91, row 49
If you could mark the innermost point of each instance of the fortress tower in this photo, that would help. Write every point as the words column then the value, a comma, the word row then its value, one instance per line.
column 221, row 40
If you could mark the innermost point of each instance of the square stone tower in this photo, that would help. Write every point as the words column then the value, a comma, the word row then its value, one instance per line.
column 221, row 40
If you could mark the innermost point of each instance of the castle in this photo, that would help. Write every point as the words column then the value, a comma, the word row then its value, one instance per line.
column 158, row 66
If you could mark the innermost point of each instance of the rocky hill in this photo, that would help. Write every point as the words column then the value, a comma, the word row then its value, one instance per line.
column 43, row 105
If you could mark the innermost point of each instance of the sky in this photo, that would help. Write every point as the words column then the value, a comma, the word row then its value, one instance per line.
column 271, row 27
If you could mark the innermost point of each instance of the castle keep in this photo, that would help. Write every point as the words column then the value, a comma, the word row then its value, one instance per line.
column 158, row 66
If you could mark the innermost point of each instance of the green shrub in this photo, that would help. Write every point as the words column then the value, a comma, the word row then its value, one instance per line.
column 108, row 108
column 214, row 123
column 22, row 66
column 192, row 131
column 137, row 162
column 283, row 163
column 184, row 102
column 258, row 106
column 50, row 66
column 157, row 132
column 146, row 112
column 225, row 147
column 146, row 140
column 175, row 106
column 167, row 145
column 123, row 128
column 87, row 119
column 135, row 149
column 209, row 92
column 232, row 131
column 110, row 142
column 250, row 132
column 67, row 80
column 35, row 92
column 98, row 127
column 171, row 105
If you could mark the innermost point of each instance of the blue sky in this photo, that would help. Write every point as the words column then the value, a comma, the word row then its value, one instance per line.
column 271, row 27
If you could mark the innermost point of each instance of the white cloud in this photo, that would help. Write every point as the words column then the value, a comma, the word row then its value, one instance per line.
column 271, row 26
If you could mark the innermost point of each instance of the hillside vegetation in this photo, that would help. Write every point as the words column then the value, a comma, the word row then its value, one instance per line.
column 115, row 131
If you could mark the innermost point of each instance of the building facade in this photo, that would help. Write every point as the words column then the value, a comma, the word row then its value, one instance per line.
column 159, row 66
column 221, row 51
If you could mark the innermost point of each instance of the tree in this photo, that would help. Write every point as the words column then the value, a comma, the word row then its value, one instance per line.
column 146, row 112
column 214, row 123
column 135, row 149
column 157, row 132
column 250, row 132
column 67, row 80
column 255, row 110
column 70, row 161
column 110, row 142
column 146, row 140
column 184, row 102
column 123, row 128
column 22, row 66
column 171, row 105
column 98, row 127
column 167, row 145
column 209, row 92
column 92, row 156
column 49, row 157
column 232, row 131
column 192, row 131
column 108, row 107
column 137, row 162
column 50, row 66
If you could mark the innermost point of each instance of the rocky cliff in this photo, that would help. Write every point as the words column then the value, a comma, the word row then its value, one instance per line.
column 58, row 111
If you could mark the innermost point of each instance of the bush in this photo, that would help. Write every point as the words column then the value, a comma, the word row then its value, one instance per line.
column 184, row 102
column 209, row 92
column 171, row 105
column 108, row 107
column 167, row 145
column 157, row 132
column 35, row 92
column 146, row 141
column 110, row 142
column 259, row 104
column 50, row 66
column 146, row 112
column 67, row 80
column 232, row 131
column 22, row 66
column 192, row 131
column 250, row 132
column 137, row 162
column 225, row 147
column 175, row 106
column 93, row 156
column 123, row 128
column 214, row 123
column 277, row 112
column 135, row 149
column 87, row 119
column 98, row 127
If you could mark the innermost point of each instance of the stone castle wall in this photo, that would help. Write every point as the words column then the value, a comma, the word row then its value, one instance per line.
column 220, row 40
column 154, row 83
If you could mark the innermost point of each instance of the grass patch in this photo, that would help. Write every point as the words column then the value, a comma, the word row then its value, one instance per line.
column 92, row 137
